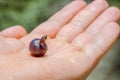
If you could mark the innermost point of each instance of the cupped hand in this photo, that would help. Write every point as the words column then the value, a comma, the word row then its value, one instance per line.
column 78, row 37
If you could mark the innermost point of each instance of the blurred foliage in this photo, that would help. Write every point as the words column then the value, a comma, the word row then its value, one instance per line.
column 30, row 13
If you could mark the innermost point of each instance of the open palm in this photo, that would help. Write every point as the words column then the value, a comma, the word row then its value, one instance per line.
column 78, row 37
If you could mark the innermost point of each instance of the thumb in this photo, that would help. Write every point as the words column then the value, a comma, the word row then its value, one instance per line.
column 14, row 32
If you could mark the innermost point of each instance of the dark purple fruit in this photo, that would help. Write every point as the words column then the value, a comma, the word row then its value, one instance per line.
column 38, row 47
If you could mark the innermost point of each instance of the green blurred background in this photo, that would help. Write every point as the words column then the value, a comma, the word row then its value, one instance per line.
column 30, row 13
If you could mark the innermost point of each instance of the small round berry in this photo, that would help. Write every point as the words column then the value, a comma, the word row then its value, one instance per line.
column 38, row 47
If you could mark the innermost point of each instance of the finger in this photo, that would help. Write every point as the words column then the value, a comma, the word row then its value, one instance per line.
column 81, row 21
column 96, row 48
column 112, row 14
column 53, row 25
column 92, row 52
column 14, row 32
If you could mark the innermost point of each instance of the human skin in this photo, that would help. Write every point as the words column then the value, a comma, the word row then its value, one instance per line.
column 79, row 35
column 14, row 32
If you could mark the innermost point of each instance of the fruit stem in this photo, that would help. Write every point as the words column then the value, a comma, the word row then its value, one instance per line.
column 43, row 38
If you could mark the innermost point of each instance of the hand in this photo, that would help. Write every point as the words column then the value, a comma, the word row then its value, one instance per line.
column 14, row 32
column 79, row 35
